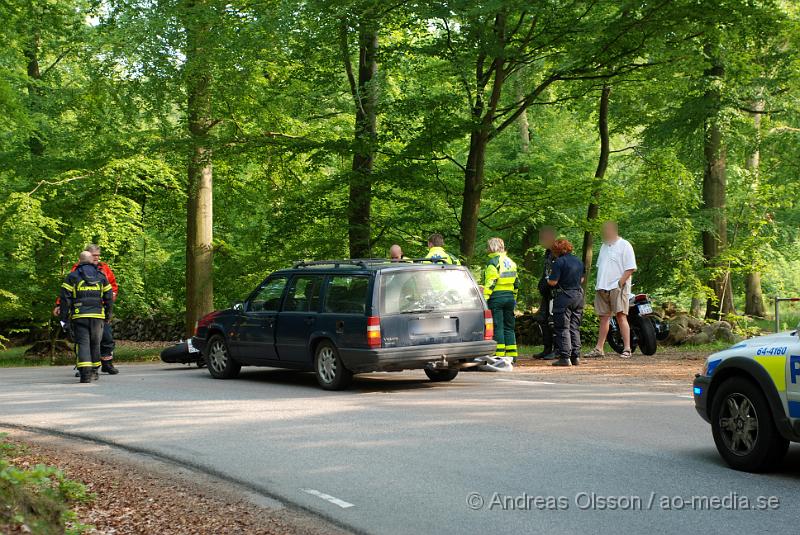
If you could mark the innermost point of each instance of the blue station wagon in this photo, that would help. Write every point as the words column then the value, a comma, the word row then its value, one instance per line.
column 341, row 317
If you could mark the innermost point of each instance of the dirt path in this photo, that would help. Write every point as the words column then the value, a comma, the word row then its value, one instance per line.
column 141, row 495
column 669, row 369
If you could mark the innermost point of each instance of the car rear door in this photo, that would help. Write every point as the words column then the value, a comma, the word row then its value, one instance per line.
column 345, row 308
column 298, row 317
column 438, row 305
column 254, row 336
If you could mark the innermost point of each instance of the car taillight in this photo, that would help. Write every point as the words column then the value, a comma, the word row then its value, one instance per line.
column 205, row 321
column 374, row 331
column 488, row 325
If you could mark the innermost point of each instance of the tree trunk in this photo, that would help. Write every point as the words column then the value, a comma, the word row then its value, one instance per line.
column 365, row 97
column 522, row 122
column 473, row 186
column 483, row 116
column 599, row 174
column 199, row 208
column 754, row 299
column 31, row 52
column 715, row 239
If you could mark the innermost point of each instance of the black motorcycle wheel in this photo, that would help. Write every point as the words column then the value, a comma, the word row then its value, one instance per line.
column 647, row 335
column 614, row 338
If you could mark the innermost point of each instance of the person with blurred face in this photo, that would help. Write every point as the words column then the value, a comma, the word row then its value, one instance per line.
column 566, row 279
column 547, row 236
column 615, row 266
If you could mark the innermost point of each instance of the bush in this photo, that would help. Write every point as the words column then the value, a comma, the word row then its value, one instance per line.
column 38, row 499
column 590, row 327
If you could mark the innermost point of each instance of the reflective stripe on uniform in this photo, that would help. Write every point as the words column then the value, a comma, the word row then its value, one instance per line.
column 84, row 364
column 511, row 350
column 100, row 315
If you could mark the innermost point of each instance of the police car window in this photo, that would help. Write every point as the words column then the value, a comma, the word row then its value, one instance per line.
column 268, row 297
column 347, row 294
column 303, row 294
column 408, row 292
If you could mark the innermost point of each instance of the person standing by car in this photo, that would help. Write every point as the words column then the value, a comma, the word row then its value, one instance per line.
column 500, row 286
column 615, row 266
column 86, row 304
column 436, row 250
column 565, row 280
column 547, row 236
column 107, row 345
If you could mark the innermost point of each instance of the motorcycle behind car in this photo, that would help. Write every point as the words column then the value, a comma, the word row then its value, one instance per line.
column 646, row 328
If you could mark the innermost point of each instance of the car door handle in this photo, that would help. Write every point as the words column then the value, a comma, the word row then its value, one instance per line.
column 310, row 320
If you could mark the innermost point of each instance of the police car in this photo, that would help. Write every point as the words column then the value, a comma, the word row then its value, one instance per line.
column 750, row 395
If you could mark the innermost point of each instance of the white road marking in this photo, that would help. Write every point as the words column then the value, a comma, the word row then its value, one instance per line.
column 328, row 498
column 524, row 382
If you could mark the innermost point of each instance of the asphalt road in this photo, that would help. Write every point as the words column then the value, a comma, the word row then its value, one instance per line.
column 488, row 453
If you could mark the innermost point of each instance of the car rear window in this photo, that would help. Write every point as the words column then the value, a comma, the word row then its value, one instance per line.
column 347, row 294
column 407, row 292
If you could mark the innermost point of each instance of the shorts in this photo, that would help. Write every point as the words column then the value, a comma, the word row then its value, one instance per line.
column 611, row 302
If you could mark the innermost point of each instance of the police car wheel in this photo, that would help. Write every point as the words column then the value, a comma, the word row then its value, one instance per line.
column 441, row 376
column 329, row 368
column 743, row 427
column 219, row 361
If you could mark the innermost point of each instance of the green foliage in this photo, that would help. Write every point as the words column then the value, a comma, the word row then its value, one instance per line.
column 95, row 148
column 38, row 499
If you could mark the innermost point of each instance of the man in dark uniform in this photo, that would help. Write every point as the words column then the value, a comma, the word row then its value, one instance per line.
column 86, row 305
column 566, row 280
column 547, row 235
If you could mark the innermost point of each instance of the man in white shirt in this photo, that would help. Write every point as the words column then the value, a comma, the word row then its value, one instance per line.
column 615, row 266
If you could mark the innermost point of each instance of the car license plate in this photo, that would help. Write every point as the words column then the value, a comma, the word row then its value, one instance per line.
column 645, row 309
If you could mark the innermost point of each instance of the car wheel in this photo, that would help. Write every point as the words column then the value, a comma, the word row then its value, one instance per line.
column 743, row 427
column 329, row 368
column 219, row 360
column 441, row 376
column 647, row 336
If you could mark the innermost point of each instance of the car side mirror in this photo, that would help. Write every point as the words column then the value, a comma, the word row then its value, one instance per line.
column 238, row 306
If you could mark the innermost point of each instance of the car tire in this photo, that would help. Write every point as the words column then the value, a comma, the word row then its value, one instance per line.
column 743, row 427
column 329, row 369
column 441, row 376
column 647, row 336
column 219, row 361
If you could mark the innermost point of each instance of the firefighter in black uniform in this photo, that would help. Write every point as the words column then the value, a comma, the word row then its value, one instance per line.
column 565, row 280
column 547, row 235
column 87, row 301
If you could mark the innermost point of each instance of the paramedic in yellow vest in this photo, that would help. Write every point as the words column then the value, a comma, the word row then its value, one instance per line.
column 500, row 287
column 436, row 250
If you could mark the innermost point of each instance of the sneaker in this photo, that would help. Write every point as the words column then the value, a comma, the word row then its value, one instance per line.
column 625, row 354
column 562, row 362
column 576, row 361
column 594, row 354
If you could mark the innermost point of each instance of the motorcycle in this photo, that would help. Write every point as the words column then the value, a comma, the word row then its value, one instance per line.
column 646, row 329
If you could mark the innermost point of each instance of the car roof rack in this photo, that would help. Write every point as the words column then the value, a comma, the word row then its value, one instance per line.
column 361, row 262
column 366, row 262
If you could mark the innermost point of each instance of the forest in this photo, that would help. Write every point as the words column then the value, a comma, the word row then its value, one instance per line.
column 204, row 143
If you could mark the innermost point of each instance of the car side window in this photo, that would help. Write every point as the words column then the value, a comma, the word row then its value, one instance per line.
column 347, row 294
column 268, row 297
column 303, row 295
